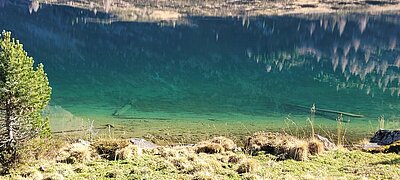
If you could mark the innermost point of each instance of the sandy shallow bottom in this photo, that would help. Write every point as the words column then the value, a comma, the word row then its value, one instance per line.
column 177, row 128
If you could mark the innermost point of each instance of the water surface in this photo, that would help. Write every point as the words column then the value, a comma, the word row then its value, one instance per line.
column 205, row 76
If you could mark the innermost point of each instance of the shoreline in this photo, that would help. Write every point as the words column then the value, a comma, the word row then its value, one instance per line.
column 191, row 130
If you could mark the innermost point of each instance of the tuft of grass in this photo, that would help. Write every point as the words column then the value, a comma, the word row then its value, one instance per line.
column 381, row 120
column 297, row 150
column 293, row 129
column 340, row 131
column 41, row 148
column 76, row 152
column 226, row 143
column 216, row 145
column 236, row 158
column 315, row 147
column 210, row 148
column 128, row 152
column 247, row 166
column 203, row 175
column 109, row 148
column 312, row 119
column 282, row 145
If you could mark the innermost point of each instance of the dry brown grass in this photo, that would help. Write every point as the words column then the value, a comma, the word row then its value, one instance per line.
column 247, row 166
column 216, row 145
column 266, row 141
column 282, row 145
column 315, row 147
column 297, row 150
column 226, row 143
column 201, row 165
column 109, row 148
column 76, row 152
column 41, row 148
column 236, row 158
column 210, row 148
column 182, row 162
column 128, row 152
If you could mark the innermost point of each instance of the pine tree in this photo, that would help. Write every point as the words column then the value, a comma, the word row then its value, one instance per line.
column 24, row 93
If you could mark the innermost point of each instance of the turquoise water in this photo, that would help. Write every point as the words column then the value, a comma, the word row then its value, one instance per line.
column 206, row 76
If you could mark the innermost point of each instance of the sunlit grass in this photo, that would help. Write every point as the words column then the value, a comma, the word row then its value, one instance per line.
column 185, row 163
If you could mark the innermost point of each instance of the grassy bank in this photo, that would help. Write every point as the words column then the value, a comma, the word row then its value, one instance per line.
column 119, row 159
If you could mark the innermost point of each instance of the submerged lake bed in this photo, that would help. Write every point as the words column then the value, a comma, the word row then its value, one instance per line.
column 197, row 77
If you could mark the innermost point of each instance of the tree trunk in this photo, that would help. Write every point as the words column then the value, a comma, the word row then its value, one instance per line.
column 10, row 122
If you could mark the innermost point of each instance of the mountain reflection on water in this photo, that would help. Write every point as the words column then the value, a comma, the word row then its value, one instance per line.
column 214, row 67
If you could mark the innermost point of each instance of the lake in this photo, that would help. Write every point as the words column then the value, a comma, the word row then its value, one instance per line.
column 185, row 80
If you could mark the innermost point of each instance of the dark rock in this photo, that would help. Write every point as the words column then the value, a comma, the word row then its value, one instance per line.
column 393, row 148
column 375, row 148
column 385, row 137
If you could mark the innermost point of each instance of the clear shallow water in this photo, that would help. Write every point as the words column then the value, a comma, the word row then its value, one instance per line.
column 208, row 76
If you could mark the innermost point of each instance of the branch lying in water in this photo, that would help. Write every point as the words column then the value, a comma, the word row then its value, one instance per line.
column 75, row 130
column 327, row 111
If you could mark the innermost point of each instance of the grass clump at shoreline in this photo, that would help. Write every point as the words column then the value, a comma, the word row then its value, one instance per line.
column 216, row 145
column 283, row 146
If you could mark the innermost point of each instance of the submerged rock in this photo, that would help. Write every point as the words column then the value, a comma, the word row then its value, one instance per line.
column 385, row 137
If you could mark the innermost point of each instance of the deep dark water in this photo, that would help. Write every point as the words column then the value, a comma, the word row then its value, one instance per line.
column 216, row 68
